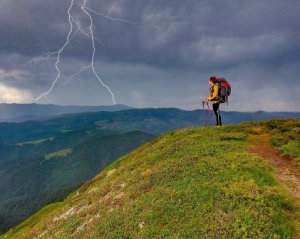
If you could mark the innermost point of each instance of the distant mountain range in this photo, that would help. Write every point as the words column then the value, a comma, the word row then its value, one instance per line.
column 23, row 112
column 42, row 161
column 153, row 121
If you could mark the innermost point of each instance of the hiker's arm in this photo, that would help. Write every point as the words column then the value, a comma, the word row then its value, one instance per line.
column 215, row 93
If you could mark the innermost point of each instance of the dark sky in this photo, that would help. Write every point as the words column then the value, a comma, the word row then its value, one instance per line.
column 162, row 56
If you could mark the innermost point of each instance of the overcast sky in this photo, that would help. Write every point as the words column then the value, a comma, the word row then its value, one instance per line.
column 154, row 53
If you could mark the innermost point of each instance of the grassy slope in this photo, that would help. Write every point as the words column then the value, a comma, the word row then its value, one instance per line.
column 286, row 137
column 192, row 183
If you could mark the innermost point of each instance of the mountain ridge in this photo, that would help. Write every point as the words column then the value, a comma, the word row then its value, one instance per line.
column 187, row 178
column 25, row 112
column 166, row 119
column 64, row 138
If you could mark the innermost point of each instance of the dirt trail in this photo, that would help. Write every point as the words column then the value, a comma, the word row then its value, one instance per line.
column 284, row 168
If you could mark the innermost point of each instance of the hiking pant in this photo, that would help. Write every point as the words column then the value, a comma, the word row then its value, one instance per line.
column 216, row 107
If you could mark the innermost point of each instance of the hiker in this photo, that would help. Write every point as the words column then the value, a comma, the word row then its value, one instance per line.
column 214, row 98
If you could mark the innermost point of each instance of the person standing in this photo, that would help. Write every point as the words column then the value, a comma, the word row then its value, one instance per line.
column 215, row 89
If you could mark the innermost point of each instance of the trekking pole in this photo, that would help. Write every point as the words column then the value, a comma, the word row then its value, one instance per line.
column 203, row 114
column 210, row 112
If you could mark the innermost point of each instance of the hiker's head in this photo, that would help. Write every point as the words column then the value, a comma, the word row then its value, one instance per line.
column 212, row 80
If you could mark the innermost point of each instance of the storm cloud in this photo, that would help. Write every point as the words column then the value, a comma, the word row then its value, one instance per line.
column 161, row 56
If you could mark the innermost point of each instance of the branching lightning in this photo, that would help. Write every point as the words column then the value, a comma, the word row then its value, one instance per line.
column 47, row 56
column 57, row 54
column 79, row 28
column 77, row 74
column 83, row 7
column 116, row 19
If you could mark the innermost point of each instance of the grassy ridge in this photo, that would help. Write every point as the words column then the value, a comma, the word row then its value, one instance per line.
column 192, row 183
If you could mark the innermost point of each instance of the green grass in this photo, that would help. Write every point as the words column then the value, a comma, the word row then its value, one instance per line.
column 18, row 232
column 292, row 149
column 60, row 153
column 285, row 136
column 191, row 183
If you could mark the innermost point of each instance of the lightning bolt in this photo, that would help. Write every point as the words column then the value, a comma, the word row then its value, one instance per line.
column 56, row 54
column 77, row 74
column 79, row 28
column 83, row 7
column 116, row 19
column 59, row 53
column 47, row 56
column 50, row 55
column 86, row 34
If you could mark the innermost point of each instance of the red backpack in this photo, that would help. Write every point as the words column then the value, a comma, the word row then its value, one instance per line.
column 224, row 89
